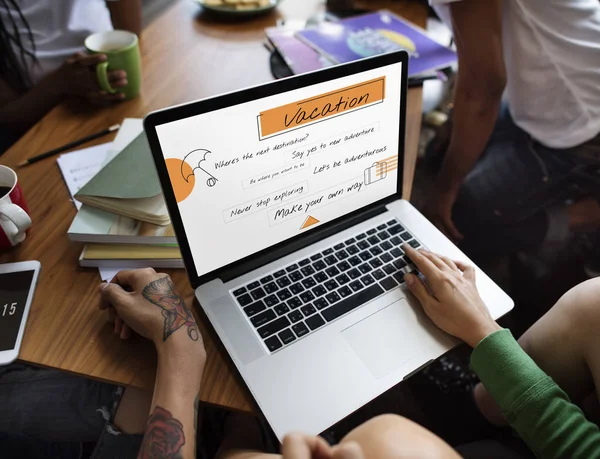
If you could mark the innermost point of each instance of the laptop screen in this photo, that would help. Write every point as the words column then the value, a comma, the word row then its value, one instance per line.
column 252, row 175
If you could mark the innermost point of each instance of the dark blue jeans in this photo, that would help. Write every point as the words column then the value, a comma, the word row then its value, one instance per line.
column 51, row 414
column 503, row 205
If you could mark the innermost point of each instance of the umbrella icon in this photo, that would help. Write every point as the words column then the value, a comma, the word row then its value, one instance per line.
column 197, row 157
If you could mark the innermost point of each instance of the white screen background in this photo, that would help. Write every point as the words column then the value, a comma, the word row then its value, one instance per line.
column 218, row 238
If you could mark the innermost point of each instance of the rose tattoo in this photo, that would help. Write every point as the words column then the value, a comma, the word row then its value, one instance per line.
column 163, row 438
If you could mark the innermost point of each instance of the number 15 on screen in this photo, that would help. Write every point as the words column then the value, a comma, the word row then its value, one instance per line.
column 9, row 310
column 17, row 283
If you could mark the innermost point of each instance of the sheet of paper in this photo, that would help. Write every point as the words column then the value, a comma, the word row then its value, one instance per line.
column 107, row 274
column 78, row 167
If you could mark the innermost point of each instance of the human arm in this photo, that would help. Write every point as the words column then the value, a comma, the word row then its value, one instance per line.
column 126, row 15
column 19, row 112
column 480, row 83
column 171, row 428
column 534, row 405
column 147, row 303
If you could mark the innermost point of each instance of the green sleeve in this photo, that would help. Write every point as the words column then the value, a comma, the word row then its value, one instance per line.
column 532, row 402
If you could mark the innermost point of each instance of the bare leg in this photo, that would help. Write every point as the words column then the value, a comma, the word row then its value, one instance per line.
column 393, row 437
column 384, row 437
column 565, row 343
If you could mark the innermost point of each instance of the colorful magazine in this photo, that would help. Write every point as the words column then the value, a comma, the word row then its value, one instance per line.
column 377, row 33
column 298, row 56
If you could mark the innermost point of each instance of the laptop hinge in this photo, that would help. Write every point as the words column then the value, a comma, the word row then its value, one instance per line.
column 312, row 238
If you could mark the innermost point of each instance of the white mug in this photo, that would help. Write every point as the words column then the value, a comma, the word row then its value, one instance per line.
column 14, row 220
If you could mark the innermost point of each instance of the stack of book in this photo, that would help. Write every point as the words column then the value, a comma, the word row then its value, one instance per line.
column 123, row 220
column 357, row 37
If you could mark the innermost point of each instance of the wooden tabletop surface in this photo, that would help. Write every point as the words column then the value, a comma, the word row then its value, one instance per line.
column 186, row 55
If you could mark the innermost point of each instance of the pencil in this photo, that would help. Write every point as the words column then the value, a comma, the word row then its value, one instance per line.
column 68, row 146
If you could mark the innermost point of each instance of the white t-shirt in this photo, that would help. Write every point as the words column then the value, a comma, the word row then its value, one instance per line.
column 552, row 58
column 59, row 28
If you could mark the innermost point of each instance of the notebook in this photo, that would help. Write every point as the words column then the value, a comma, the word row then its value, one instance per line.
column 130, row 256
column 78, row 167
column 128, row 186
column 377, row 33
column 95, row 225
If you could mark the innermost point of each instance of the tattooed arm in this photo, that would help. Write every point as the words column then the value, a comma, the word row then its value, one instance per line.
column 147, row 303
column 171, row 429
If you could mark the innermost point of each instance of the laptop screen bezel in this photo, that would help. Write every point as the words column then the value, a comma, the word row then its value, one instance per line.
column 203, row 106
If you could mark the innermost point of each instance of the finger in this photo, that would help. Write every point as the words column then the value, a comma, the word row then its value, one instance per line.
column 118, row 78
column 419, row 289
column 75, row 57
column 295, row 447
column 452, row 230
column 442, row 262
column 129, row 277
column 119, row 84
column 126, row 278
column 349, row 450
column 118, row 325
column 468, row 270
column 449, row 262
column 88, row 60
column 435, row 259
column 114, row 295
column 103, row 304
column 423, row 264
column 117, row 75
column 111, row 314
column 300, row 446
column 125, row 331
column 103, row 96
column 321, row 449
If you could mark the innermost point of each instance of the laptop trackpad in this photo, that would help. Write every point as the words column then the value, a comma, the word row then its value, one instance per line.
column 390, row 337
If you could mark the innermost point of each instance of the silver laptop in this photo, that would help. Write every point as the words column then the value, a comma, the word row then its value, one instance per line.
column 286, row 202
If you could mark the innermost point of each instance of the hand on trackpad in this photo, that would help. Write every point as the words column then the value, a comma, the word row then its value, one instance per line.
column 390, row 337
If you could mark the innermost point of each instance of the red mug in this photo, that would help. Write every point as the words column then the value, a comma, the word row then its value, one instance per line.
column 14, row 218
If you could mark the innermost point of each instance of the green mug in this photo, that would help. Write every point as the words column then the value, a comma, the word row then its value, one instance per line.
column 122, row 50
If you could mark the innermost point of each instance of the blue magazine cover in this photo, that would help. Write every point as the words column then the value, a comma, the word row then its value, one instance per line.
column 376, row 33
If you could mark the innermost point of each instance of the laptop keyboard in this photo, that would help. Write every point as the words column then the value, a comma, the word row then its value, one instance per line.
column 298, row 299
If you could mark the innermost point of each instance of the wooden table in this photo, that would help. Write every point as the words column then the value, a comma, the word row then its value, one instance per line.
column 186, row 55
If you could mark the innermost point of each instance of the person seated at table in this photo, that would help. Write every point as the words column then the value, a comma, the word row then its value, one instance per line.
column 147, row 303
column 507, row 173
column 142, row 301
column 63, row 415
column 513, row 387
column 42, row 60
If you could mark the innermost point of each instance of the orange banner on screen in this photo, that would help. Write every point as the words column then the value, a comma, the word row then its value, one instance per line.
column 323, row 106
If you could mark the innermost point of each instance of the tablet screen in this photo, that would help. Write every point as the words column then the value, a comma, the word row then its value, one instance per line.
column 14, row 289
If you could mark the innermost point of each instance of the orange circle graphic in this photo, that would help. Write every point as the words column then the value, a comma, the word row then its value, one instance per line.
column 179, row 169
